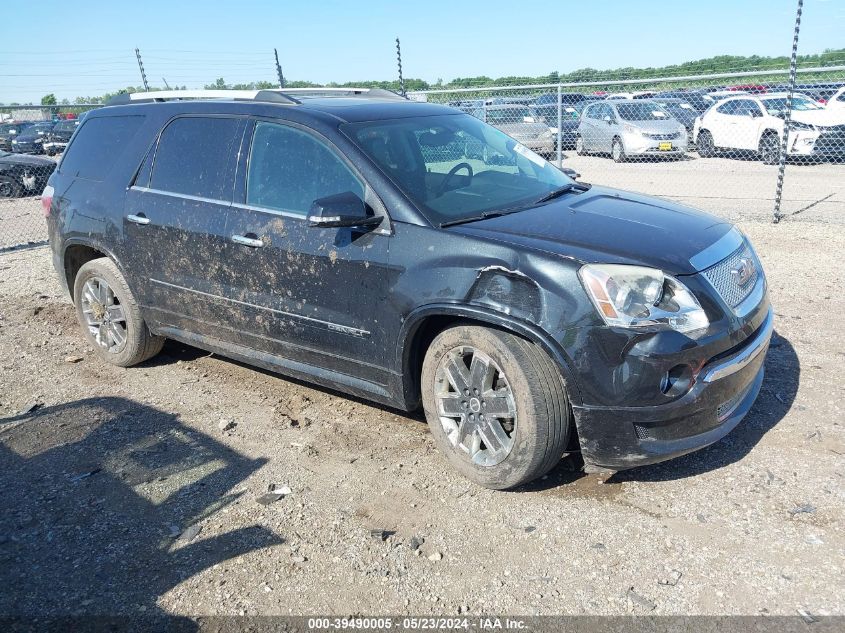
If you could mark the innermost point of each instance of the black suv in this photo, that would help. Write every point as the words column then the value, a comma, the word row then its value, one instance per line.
column 363, row 242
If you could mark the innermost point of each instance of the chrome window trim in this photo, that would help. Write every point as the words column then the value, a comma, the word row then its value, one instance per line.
column 717, row 251
column 183, row 196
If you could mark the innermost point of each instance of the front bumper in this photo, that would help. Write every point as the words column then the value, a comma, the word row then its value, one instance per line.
column 542, row 145
column 723, row 392
column 54, row 146
column 640, row 145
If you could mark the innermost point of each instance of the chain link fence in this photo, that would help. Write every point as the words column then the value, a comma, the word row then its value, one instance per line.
column 714, row 141
column 32, row 139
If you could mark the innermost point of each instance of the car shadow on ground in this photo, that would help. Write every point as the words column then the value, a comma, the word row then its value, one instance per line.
column 175, row 351
column 101, row 498
column 776, row 398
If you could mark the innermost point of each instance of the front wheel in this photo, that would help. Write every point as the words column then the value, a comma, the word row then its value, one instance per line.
column 496, row 405
column 705, row 146
column 579, row 146
column 770, row 149
column 617, row 150
column 9, row 188
column 110, row 316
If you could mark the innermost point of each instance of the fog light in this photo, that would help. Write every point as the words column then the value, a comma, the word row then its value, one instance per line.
column 676, row 381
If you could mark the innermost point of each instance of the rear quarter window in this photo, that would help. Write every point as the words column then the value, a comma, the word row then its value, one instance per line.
column 98, row 145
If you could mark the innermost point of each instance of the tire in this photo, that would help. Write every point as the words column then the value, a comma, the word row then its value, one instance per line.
column 9, row 188
column 770, row 149
column 521, row 381
column 105, row 304
column 704, row 145
column 617, row 151
column 579, row 146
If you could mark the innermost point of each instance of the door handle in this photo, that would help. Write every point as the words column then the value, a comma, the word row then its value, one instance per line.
column 138, row 219
column 247, row 241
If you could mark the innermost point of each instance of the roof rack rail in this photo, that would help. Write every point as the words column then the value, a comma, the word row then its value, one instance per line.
column 271, row 96
column 274, row 95
column 373, row 93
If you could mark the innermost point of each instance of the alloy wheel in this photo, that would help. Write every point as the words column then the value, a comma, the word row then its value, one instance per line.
column 104, row 314
column 476, row 406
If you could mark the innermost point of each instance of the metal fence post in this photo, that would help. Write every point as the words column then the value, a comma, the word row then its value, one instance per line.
column 559, row 132
column 787, row 122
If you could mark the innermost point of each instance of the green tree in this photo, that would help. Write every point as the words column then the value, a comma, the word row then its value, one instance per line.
column 49, row 100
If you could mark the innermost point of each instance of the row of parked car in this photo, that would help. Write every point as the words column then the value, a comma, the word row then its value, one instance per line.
column 37, row 137
column 22, row 173
column 715, row 121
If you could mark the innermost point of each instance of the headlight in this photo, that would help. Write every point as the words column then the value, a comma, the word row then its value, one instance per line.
column 798, row 125
column 14, row 142
column 636, row 296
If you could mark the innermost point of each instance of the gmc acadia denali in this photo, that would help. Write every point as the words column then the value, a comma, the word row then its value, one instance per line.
column 411, row 254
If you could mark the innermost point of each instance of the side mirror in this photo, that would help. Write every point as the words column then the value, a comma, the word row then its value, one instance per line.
column 608, row 120
column 342, row 209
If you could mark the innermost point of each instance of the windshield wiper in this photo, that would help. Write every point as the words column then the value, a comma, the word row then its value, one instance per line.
column 567, row 188
column 474, row 218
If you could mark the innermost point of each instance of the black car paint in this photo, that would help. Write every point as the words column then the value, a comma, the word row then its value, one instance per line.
column 10, row 132
column 350, row 308
column 58, row 138
column 30, row 141
column 21, row 168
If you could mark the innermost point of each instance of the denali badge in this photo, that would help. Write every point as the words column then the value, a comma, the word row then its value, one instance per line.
column 744, row 271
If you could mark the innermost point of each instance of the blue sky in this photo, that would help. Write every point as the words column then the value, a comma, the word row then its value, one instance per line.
column 87, row 48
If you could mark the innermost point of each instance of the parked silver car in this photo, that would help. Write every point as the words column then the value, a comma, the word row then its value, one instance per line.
column 627, row 128
column 517, row 121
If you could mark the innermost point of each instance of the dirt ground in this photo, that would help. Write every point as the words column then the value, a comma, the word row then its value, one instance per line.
column 121, row 493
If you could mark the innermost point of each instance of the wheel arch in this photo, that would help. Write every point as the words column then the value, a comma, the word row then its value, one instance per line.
column 426, row 322
column 78, row 252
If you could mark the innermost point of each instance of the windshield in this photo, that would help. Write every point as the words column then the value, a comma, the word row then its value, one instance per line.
column 641, row 112
column 39, row 127
column 65, row 126
column 506, row 115
column 777, row 106
column 490, row 171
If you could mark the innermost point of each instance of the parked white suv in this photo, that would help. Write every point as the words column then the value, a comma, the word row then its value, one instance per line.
column 837, row 100
column 755, row 123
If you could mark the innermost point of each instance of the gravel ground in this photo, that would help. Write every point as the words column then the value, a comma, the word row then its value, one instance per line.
column 136, row 491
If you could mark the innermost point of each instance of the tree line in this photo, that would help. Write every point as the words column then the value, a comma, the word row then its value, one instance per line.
column 710, row 65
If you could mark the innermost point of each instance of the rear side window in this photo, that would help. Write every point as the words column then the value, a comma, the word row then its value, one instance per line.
column 728, row 108
column 195, row 157
column 289, row 169
column 98, row 145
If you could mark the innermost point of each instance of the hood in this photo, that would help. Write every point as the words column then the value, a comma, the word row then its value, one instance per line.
column 523, row 130
column 665, row 126
column 606, row 225
column 824, row 117
column 24, row 159
column 27, row 138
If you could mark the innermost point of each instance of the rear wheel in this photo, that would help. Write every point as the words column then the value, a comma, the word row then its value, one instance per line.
column 704, row 145
column 9, row 188
column 496, row 405
column 770, row 149
column 110, row 316
column 617, row 150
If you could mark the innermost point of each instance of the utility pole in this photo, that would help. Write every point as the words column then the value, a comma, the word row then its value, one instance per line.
column 141, row 68
column 399, row 61
column 279, row 70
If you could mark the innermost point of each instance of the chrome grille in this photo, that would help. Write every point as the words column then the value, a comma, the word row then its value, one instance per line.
column 663, row 137
column 724, row 276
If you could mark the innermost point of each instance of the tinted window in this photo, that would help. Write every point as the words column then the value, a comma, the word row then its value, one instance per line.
column 99, row 144
column 744, row 107
column 728, row 108
column 194, row 157
column 641, row 112
column 290, row 169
